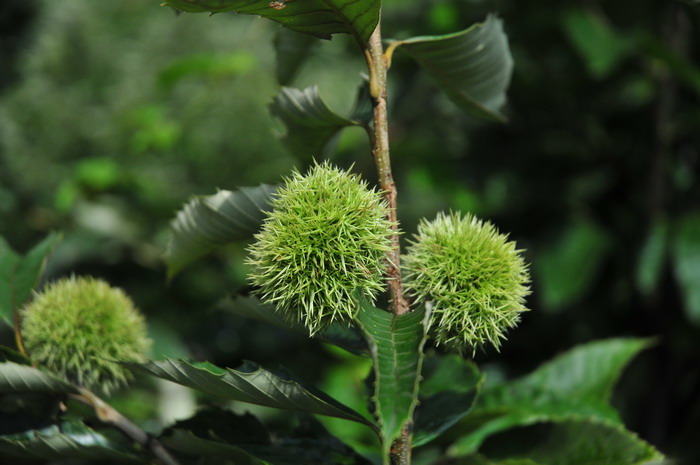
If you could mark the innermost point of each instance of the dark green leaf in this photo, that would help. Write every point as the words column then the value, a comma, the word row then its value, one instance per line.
column 568, row 267
column 577, row 384
column 652, row 258
column 473, row 66
column 396, row 344
column 320, row 18
column 20, row 275
column 337, row 333
column 291, row 51
column 581, row 442
column 252, row 384
column 686, row 260
column 448, row 392
column 69, row 440
column 206, row 223
column 311, row 125
column 15, row 378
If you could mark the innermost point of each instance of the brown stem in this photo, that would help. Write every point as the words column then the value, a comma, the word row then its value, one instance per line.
column 107, row 414
column 400, row 453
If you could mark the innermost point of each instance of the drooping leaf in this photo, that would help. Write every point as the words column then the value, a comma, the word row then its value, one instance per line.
column 577, row 442
column 20, row 275
column 576, row 384
column 311, row 125
column 566, row 269
column 686, row 261
column 69, row 440
column 208, row 222
column 291, row 51
column 652, row 258
column 447, row 393
column 16, row 378
column 336, row 333
column 396, row 344
column 252, row 384
column 320, row 18
column 219, row 434
column 473, row 66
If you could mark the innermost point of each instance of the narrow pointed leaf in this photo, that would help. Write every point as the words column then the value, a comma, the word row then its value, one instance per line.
column 686, row 260
column 69, row 440
column 396, row 344
column 337, row 333
column 20, row 275
column 16, row 378
column 252, row 384
column 291, row 51
column 446, row 395
column 311, row 125
column 577, row 384
column 206, row 223
column 473, row 67
column 652, row 258
column 320, row 18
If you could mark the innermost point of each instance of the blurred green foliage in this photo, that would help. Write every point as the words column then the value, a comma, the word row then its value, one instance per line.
column 112, row 114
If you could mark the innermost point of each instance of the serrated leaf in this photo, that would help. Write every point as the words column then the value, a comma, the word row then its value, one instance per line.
column 16, row 378
column 69, row 440
column 686, row 261
column 19, row 275
column 580, row 442
column 320, row 18
column 566, row 269
column 252, row 384
column 209, row 222
column 291, row 51
column 473, row 67
column 652, row 258
column 576, row 384
column 396, row 344
column 446, row 395
column 311, row 125
column 336, row 333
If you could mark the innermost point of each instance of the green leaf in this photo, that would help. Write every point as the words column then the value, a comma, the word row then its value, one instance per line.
column 581, row 442
column 252, row 384
column 446, row 395
column 291, row 51
column 20, row 275
column 568, row 267
column 209, row 65
column 69, row 440
column 22, row 378
column 311, row 125
column 652, row 258
column 320, row 18
column 209, row 222
column 396, row 344
column 686, row 261
column 473, row 66
column 601, row 48
column 336, row 333
column 577, row 384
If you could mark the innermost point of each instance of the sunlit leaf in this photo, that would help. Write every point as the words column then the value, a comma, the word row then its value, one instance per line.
column 320, row 18
column 250, row 383
column 311, row 125
column 19, row 275
column 209, row 222
column 69, row 440
column 396, row 344
column 686, row 260
column 576, row 384
column 446, row 395
column 473, row 66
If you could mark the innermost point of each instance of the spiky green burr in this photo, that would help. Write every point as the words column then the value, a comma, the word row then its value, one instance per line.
column 476, row 279
column 79, row 328
column 327, row 236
